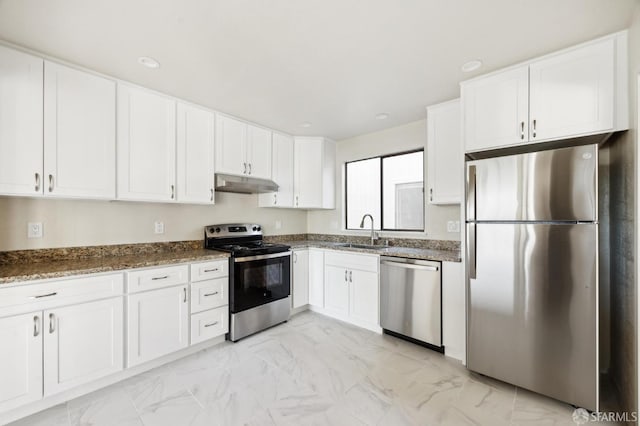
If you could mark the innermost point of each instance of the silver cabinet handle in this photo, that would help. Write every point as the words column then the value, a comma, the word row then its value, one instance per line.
column 211, row 270
column 50, row 183
column 36, row 326
column 160, row 278
column 245, row 168
column 296, row 201
column 37, row 182
column 346, row 275
column 411, row 266
column 522, row 130
column 295, row 257
column 534, row 127
column 211, row 194
column 210, row 294
column 52, row 319
column 43, row 295
column 249, row 168
column 275, row 199
column 185, row 294
column 350, row 276
column 430, row 194
column 211, row 324
column 173, row 192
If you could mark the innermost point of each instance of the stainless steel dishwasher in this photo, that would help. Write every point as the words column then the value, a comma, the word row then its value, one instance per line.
column 411, row 300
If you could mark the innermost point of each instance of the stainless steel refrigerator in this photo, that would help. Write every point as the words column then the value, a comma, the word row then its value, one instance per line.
column 532, row 271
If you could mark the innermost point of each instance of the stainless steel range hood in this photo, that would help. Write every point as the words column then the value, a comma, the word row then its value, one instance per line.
column 244, row 184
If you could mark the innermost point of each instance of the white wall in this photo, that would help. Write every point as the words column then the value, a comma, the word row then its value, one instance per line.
column 396, row 139
column 79, row 223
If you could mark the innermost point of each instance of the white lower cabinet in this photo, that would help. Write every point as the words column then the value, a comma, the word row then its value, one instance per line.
column 157, row 323
column 82, row 343
column 20, row 360
column 300, row 279
column 363, row 296
column 316, row 278
column 209, row 324
column 336, row 290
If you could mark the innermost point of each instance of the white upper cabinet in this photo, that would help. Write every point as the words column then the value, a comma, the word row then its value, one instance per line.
column 242, row 149
column 146, row 145
column 79, row 134
column 314, row 173
column 21, row 104
column 195, row 154
column 573, row 93
column 496, row 110
column 231, row 144
column 577, row 92
column 282, row 163
column 258, row 152
column 444, row 153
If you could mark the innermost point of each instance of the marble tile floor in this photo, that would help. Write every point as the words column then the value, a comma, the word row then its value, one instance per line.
column 312, row 370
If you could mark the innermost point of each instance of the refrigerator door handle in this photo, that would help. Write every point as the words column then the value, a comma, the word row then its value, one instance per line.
column 471, row 249
column 471, row 193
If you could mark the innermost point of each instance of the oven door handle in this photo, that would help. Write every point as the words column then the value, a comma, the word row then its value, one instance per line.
column 261, row 257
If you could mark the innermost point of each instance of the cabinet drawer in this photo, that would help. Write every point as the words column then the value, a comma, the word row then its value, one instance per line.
column 151, row 279
column 209, row 324
column 48, row 295
column 209, row 294
column 362, row 262
column 209, row 270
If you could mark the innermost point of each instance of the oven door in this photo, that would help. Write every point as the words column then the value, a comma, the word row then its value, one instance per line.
column 257, row 280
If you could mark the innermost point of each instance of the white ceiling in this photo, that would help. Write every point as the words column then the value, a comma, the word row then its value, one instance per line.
column 334, row 63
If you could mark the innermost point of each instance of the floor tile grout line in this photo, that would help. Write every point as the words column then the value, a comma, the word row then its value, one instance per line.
column 196, row 399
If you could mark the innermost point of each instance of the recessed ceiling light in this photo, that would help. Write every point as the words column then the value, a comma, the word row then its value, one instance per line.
column 382, row 116
column 148, row 62
column 305, row 125
column 471, row 65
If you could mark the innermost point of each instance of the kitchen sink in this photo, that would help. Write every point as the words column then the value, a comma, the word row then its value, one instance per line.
column 362, row 246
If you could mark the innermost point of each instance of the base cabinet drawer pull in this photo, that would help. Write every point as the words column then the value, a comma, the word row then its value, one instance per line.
column 211, row 294
column 36, row 326
column 160, row 278
column 211, row 270
column 211, row 324
column 52, row 320
column 44, row 295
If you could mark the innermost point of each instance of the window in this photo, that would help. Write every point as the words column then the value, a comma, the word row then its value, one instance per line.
column 390, row 188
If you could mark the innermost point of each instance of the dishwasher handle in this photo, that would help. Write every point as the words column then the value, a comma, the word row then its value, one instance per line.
column 411, row 266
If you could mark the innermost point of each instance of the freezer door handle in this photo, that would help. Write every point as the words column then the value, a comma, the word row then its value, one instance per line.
column 471, row 193
column 471, row 249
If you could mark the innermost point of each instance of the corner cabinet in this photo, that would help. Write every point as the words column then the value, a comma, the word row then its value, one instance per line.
column 445, row 160
column 242, row 149
column 576, row 92
column 314, row 173
column 146, row 145
column 282, row 160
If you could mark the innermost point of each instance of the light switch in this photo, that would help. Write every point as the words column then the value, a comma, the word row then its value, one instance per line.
column 34, row 230
column 453, row 226
column 159, row 227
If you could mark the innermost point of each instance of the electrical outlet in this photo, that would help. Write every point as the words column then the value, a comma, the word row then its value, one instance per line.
column 453, row 226
column 34, row 230
column 278, row 224
column 159, row 227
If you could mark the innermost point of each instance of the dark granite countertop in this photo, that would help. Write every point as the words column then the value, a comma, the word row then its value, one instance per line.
column 14, row 272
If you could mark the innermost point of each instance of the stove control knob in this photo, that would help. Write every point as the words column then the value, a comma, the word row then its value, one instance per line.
column 217, row 229
column 258, row 228
column 212, row 230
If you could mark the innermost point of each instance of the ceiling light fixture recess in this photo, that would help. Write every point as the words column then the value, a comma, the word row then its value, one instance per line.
column 148, row 62
column 305, row 125
column 382, row 116
column 471, row 65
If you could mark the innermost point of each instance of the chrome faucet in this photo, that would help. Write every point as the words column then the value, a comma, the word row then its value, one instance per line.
column 373, row 234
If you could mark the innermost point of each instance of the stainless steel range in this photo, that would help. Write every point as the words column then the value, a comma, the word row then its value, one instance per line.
column 259, row 277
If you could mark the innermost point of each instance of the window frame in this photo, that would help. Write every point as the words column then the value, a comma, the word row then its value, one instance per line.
column 381, row 189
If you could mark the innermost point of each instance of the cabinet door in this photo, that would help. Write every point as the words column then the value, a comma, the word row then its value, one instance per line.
column 258, row 152
column 79, row 134
column 363, row 296
column 316, row 278
column 82, row 343
column 157, row 324
column 572, row 93
column 444, row 153
column 300, row 280
column 20, row 123
column 308, row 173
column 146, row 145
column 336, row 290
column 231, row 143
column 20, row 360
column 496, row 109
column 195, row 153
column 282, row 166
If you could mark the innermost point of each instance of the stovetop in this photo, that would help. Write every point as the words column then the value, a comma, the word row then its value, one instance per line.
column 240, row 240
